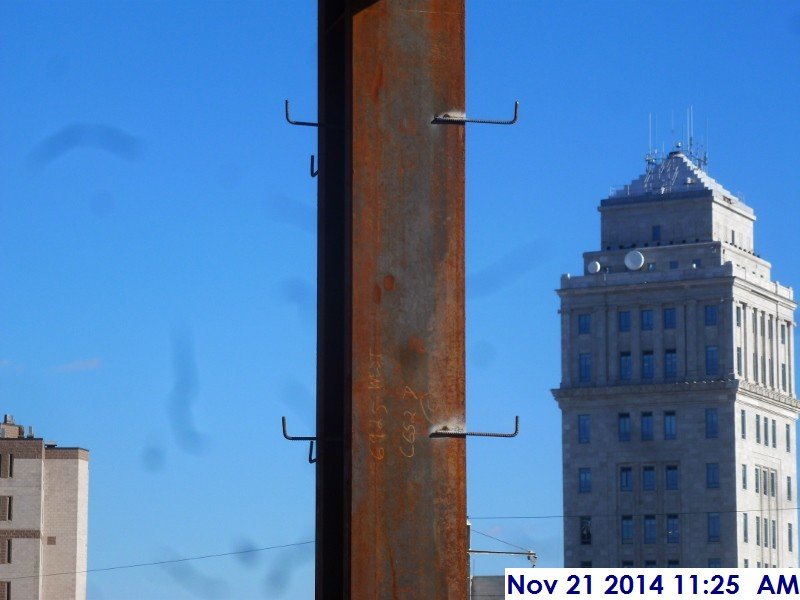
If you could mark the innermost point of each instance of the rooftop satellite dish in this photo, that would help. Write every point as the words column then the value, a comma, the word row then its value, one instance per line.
column 634, row 260
column 594, row 267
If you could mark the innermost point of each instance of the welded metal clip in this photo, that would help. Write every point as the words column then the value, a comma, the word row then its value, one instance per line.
column 301, row 438
column 293, row 122
column 447, row 118
column 446, row 432
column 314, row 173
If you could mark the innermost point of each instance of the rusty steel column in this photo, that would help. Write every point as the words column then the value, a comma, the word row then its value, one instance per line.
column 391, row 500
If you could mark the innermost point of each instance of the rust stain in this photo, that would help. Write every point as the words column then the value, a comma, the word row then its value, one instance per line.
column 377, row 292
column 388, row 283
column 416, row 345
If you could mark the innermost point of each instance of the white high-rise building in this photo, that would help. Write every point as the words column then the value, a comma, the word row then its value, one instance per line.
column 677, row 391
column 44, row 501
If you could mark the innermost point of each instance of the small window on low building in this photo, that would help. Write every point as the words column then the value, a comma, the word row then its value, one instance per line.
column 656, row 233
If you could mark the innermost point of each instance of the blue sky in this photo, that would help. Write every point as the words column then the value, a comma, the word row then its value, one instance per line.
column 157, row 249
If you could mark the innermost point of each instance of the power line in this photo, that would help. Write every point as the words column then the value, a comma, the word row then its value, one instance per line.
column 473, row 530
column 165, row 562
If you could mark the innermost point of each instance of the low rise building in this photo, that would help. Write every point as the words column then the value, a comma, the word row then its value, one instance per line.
column 44, row 501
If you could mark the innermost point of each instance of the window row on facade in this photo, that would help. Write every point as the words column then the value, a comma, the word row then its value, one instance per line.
column 669, row 423
column 763, row 433
column 667, row 527
column 766, row 373
column 653, row 564
column 649, row 478
column 648, row 367
column 766, row 531
column 647, row 319
column 765, row 481
column 765, row 320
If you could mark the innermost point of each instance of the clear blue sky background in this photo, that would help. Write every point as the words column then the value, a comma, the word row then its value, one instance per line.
column 157, row 248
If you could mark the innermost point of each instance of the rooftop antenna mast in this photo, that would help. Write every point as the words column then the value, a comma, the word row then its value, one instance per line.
column 650, row 157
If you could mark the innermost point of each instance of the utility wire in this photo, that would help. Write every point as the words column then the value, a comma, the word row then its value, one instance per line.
column 165, row 562
column 473, row 530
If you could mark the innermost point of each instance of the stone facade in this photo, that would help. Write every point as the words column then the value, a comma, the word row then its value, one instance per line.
column 676, row 345
column 43, row 517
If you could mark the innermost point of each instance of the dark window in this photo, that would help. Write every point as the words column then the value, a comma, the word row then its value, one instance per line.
column 772, row 483
column 584, row 323
column 771, row 374
column 712, row 475
column 670, row 319
column 791, row 538
column 647, row 426
column 755, row 367
column 624, row 427
column 627, row 564
column 711, row 315
column 585, row 367
column 586, row 564
column 788, row 438
column 745, row 534
column 764, row 489
column 650, row 564
column 625, row 479
column 673, row 529
column 673, row 264
column 586, row 531
column 788, row 488
column 584, row 429
column 758, row 479
column 744, row 425
column 765, row 523
column 774, row 434
column 774, row 534
column 712, row 366
column 713, row 527
column 769, row 327
column 656, row 233
column 744, row 477
column 766, row 431
column 712, row 428
column 758, row 532
column 763, row 370
column 738, row 360
column 671, row 477
column 670, row 363
column 647, row 320
column 670, row 425
column 783, row 333
column 647, row 365
column 625, row 365
column 673, row 564
column 584, row 480
column 758, row 429
column 624, row 317
column 783, row 377
column 738, row 316
column 648, row 479
column 627, row 529
column 650, row 529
